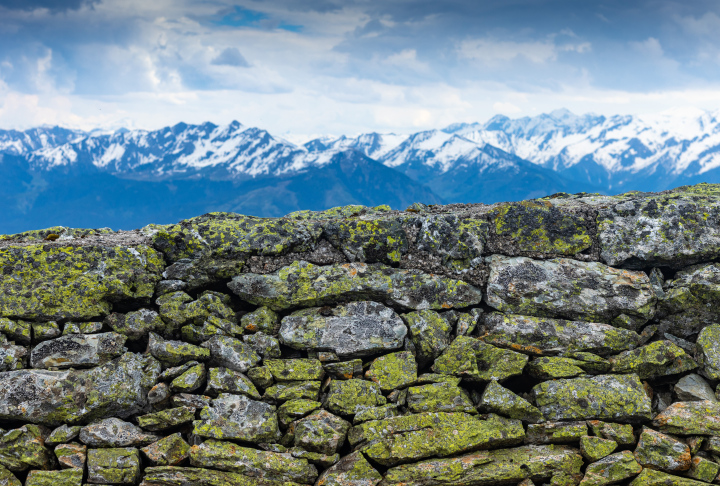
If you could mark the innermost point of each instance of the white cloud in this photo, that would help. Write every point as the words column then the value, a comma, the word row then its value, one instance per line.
column 506, row 108
column 494, row 51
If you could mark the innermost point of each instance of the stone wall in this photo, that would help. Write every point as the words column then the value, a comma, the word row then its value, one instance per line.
column 568, row 340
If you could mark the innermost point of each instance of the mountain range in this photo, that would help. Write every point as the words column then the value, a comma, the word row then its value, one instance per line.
column 127, row 178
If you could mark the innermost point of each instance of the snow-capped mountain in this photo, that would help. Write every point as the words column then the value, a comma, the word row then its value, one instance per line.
column 186, row 169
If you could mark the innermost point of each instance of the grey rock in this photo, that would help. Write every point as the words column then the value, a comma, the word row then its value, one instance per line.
column 192, row 401
column 63, row 434
column 430, row 334
column 556, row 433
column 693, row 387
column 409, row 289
column 321, row 432
column 113, row 432
column 689, row 302
column 113, row 466
column 18, row 331
column 659, row 451
column 231, row 353
column 223, row 380
column 498, row 399
column 621, row 398
column 45, row 330
column 168, row 451
column 351, row 469
column 135, row 324
column 569, row 289
column 82, row 328
column 24, row 448
column 77, row 350
column 708, row 351
column 174, row 353
column 266, row 346
column 262, row 319
column 352, row 330
column 12, row 357
column 118, row 388
column 673, row 229
column 659, row 358
column 238, row 417
column 159, row 393
column 546, row 336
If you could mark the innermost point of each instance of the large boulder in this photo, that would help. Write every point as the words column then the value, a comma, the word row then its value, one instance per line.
column 570, row 289
column 237, row 417
column 78, row 350
column 303, row 284
column 116, row 389
column 350, row 330
column 620, row 398
column 74, row 282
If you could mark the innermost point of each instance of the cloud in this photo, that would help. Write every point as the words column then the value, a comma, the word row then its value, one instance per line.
column 230, row 56
column 53, row 5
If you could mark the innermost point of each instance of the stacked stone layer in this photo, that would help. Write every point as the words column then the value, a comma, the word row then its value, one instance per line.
column 568, row 340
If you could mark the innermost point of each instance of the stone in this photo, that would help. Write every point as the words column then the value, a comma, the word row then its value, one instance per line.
column 504, row 466
column 174, row 353
column 623, row 434
column 303, row 284
column 266, row 346
column 556, row 433
column 703, row 469
column 660, row 358
column 172, row 309
column 351, row 330
column 693, row 387
column 595, row 448
column 168, row 451
column 223, row 380
column 670, row 229
column 293, row 390
column 227, row 456
column 71, row 455
column 688, row 304
column 346, row 397
column 82, row 328
column 118, row 388
column 8, row 479
column 439, row 397
column 12, row 357
column 650, row 477
column 260, row 376
column 113, row 432
column 321, row 432
column 611, row 469
column 295, row 369
column 192, row 401
column 457, row 240
column 24, row 448
column 42, row 331
column 472, row 359
column 323, row 461
column 410, row 438
column 345, row 370
column 376, row 413
column 173, row 372
column 211, row 326
column 74, row 282
column 570, row 289
column 18, row 331
column 238, row 417
column 620, row 398
column 63, row 434
column 135, row 324
column 498, row 399
column 113, row 466
column 589, row 362
column 467, row 322
column 690, row 418
column 191, row 380
column 659, row 451
column 263, row 319
column 166, row 419
column 552, row 368
column 430, row 334
column 542, row 336
column 186, row 476
column 394, row 370
column 368, row 240
column 231, row 353
column 427, row 378
column 77, row 350
column 293, row 410
column 351, row 470
column 708, row 352
column 68, row 477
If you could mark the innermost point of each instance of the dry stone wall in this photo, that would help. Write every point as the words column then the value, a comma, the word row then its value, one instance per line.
column 568, row 340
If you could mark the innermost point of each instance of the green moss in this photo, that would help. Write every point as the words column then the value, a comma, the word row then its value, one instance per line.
column 611, row 469
column 295, row 369
column 191, row 380
column 475, row 360
column 595, row 448
column 439, row 397
column 347, row 397
column 166, row 419
column 262, row 319
column 292, row 410
column 497, row 399
column 114, row 466
column 68, row 477
column 551, row 368
column 371, row 240
column 293, row 390
column 660, row 358
column 52, row 283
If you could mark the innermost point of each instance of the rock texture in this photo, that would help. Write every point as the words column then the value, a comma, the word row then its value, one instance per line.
column 569, row 340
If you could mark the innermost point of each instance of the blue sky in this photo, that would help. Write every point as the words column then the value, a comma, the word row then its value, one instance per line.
column 302, row 68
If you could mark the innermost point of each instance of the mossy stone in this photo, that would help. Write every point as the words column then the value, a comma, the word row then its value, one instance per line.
column 394, row 370
column 68, row 477
column 113, row 466
column 347, row 397
column 498, row 399
column 439, row 397
column 611, row 469
column 293, row 390
column 168, row 451
column 352, row 469
column 293, row 410
column 552, row 368
column 166, row 419
column 595, row 448
column 191, row 380
column 295, row 369
column 263, row 319
column 660, row 358
column 472, row 359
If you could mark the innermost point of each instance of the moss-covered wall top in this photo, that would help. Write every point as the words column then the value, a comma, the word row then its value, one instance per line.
column 568, row 340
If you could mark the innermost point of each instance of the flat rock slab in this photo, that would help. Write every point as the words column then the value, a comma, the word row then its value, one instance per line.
column 74, row 282
column 116, row 389
column 569, row 289
column 76, row 350
column 675, row 229
column 605, row 397
column 488, row 468
column 352, row 330
column 690, row 418
column 238, row 417
column 303, row 284
column 546, row 336
column 411, row 438
column 113, row 432
column 186, row 476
